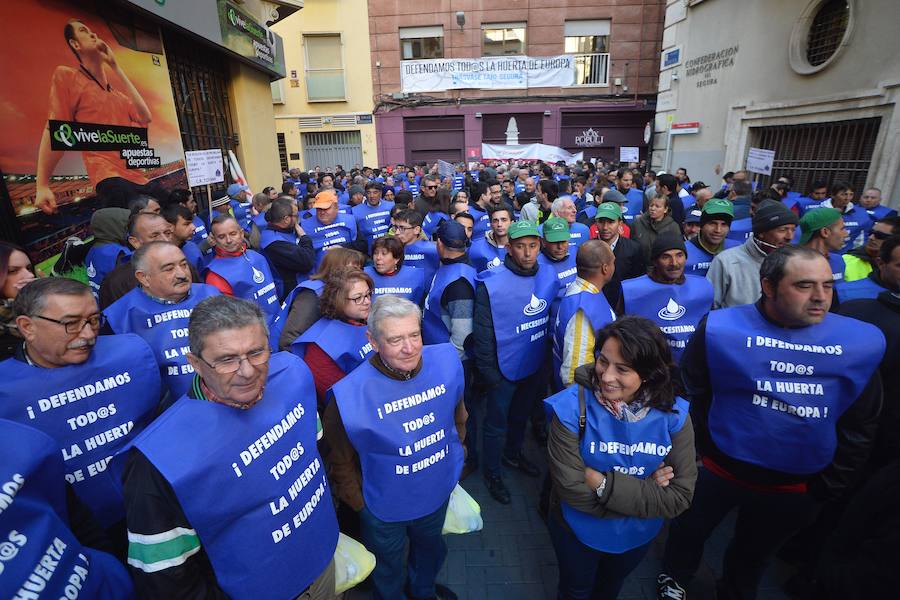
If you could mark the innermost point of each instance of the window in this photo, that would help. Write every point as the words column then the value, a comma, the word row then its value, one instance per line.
column 421, row 42
column 820, row 151
column 589, row 42
column 324, row 67
column 820, row 34
column 502, row 39
column 827, row 31
column 585, row 37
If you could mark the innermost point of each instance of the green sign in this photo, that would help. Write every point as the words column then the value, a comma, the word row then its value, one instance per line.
column 241, row 33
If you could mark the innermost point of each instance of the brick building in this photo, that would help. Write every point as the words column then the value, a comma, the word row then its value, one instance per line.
column 425, row 108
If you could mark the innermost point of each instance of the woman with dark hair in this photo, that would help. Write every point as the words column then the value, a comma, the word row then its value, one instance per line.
column 389, row 274
column 16, row 271
column 301, row 307
column 337, row 343
column 654, row 223
column 621, row 451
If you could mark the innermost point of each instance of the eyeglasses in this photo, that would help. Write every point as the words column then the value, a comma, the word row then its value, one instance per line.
column 357, row 300
column 75, row 327
column 431, row 187
column 881, row 235
column 404, row 227
column 231, row 364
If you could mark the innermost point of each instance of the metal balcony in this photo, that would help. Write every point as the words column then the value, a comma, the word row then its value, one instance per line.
column 592, row 69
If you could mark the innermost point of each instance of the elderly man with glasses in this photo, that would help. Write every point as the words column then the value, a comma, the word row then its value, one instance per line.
column 91, row 394
column 226, row 492
column 395, row 429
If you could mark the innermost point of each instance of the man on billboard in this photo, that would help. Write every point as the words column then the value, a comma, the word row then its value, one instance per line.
column 87, row 95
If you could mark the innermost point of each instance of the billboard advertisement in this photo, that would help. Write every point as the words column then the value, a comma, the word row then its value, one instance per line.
column 88, row 117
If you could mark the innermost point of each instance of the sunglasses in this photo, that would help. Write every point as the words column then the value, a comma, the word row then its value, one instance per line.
column 881, row 235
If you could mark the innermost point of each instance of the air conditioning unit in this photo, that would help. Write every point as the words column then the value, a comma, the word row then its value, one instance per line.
column 398, row 96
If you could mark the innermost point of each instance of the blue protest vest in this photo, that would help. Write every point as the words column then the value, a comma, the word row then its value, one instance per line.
column 520, row 308
column 519, row 186
column 806, row 204
column 346, row 344
column 778, row 393
column 100, row 260
column 858, row 225
column 634, row 206
column 589, row 211
column 699, row 260
column 193, row 255
column 341, row 232
column 880, row 212
column 597, row 310
column 260, row 221
column 91, row 410
column 482, row 223
column 242, row 214
column 431, row 222
column 408, row 282
column 414, row 189
column 373, row 222
column 422, row 254
column 164, row 327
column 836, row 262
column 251, row 483
column 565, row 269
column 405, row 434
column 741, row 230
column 459, row 180
column 250, row 278
column 635, row 449
column 484, row 255
column 858, row 288
column 200, row 231
column 676, row 308
column 41, row 556
column 434, row 329
column 579, row 233
column 277, row 326
column 269, row 236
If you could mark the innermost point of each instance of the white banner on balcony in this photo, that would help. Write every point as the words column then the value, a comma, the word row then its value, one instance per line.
column 487, row 72
column 548, row 154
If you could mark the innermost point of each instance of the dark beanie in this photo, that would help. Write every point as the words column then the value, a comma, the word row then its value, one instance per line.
column 665, row 243
column 771, row 214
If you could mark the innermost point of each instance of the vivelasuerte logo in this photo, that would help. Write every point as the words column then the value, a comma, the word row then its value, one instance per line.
column 72, row 135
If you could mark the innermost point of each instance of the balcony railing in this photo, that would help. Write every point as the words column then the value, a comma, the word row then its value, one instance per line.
column 592, row 69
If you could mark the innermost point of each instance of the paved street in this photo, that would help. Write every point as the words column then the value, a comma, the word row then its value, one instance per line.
column 512, row 556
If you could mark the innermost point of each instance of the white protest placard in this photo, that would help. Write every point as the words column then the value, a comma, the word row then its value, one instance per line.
column 629, row 154
column 204, row 166
column 760, row 160
column 445, row 169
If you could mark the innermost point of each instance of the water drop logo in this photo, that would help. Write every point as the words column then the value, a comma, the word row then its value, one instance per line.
column 64, row 135
column 535, row 307
column 91, row 271
column 258, row 276
column 672, row 311
column 494, row 263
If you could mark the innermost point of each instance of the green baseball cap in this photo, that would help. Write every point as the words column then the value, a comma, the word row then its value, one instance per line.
column 609, row 210
column 556, row 230
column 521, row 229
column 719, row 207
column 815, row 220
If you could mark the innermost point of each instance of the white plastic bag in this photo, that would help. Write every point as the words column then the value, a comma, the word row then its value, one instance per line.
column 352, row 563
column 463, row 513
